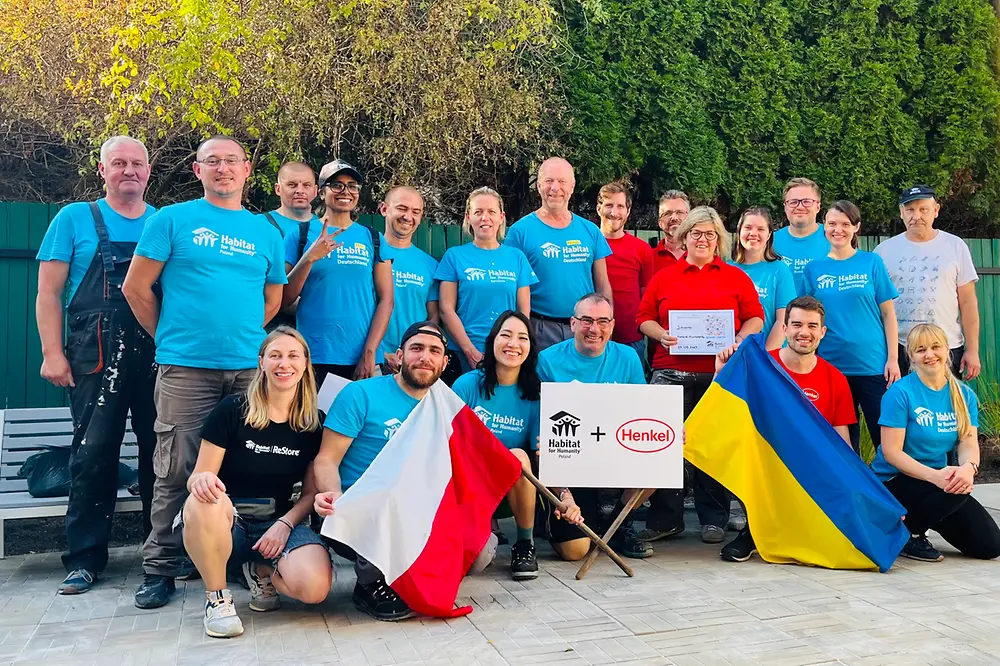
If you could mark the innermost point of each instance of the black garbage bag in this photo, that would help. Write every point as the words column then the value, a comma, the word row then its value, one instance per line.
column 47, row 473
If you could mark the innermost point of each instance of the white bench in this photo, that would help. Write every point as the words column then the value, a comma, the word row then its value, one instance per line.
column 28, row 431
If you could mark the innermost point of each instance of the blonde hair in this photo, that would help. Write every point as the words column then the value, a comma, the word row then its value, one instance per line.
column 700, row 215
column 801, row 182
column 924, row 335
column 484, row 192
column 303, row 415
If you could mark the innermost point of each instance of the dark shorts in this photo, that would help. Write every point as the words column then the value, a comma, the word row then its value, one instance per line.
column 589, row 501
column 247, row 531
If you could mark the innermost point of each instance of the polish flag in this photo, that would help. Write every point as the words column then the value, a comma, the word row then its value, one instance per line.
column 421, row 512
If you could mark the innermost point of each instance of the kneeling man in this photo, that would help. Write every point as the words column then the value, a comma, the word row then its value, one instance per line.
column 590, row 357
column 363, row 418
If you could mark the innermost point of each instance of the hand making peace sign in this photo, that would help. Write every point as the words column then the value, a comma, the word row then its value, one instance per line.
column 324, row 244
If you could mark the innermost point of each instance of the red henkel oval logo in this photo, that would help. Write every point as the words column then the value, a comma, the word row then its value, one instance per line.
column 645, row 435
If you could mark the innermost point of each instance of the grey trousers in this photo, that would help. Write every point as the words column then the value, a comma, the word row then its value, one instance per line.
column 548, row 333
column 184, row 398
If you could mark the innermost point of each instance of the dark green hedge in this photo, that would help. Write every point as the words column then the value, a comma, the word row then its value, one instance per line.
column 729, row 98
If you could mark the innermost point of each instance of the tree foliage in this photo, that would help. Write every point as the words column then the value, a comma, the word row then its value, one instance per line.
column 725, row 99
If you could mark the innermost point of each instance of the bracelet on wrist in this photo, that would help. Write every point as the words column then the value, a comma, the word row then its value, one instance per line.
column 287, row 523
column 975, row 468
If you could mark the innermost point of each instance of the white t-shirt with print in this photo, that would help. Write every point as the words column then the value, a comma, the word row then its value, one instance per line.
column 927, row 276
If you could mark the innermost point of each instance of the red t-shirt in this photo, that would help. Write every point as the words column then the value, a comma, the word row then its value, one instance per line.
column 662, row 257
column 684, row 286
column 630, row 267
column 827, row 389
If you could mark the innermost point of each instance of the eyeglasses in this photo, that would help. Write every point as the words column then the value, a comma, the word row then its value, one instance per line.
column 603, row 322
column 804, row 203
column 673, row 213
column 337, row 187
column 212, row 162
column 697, row 234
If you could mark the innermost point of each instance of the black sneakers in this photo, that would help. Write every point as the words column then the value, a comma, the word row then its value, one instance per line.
column 523, row 565
column 739, row 549
column 919, row 548
column 626, row 542
column 381, row 602
column 154, row 592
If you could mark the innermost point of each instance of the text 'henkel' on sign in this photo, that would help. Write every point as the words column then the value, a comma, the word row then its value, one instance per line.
column 611, row 436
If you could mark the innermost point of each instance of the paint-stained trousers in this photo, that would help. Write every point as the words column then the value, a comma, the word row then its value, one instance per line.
column 100, row 404
column 184, row 399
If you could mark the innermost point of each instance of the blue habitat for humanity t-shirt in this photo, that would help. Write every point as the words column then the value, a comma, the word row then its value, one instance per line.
column 851, row 291
column 619, row 364
column 775, row 287
column 798, row 252
column 337, row 302
column 370, row 411
column 413, row 288
column 72, row 238
column 930, row 422
column 510, row 417
column 286, row 224
column 487, row 281
column 217, row 262
column 563, row 260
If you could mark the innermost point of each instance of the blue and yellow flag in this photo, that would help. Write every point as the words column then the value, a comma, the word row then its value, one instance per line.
column 809, row 498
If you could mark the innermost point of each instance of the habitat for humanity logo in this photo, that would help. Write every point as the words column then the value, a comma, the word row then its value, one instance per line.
column 564, row 424
column 925, row 417
column 826, row 281
column 484, row 415
column 550, row 250
column 205, row 237
column 475, row 274
column 391, row 426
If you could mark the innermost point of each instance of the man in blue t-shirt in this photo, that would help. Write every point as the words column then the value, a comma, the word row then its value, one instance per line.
column 566, row 252
column 415, row 294
column 803, row 239
column 364, row 417
column 108, row 361
column 591, row 357
column 296, row 189
column 221, row 269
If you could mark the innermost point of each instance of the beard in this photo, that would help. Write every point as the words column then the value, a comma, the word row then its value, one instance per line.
column 410, row 378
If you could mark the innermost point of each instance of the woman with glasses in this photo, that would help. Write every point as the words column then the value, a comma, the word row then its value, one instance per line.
column 481, row 279
column 343, row 281
column 504, row 392
column 754, row 254
column 701, row 280
column 861, row 328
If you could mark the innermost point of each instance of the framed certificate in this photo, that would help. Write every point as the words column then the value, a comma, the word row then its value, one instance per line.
column 701, row 332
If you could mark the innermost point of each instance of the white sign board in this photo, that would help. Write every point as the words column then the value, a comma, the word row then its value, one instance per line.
column 701, row 332
column 611, row 436
column 328, row 392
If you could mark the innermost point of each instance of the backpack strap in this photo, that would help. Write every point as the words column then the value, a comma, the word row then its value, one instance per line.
column 303, row 236
column 274, row 223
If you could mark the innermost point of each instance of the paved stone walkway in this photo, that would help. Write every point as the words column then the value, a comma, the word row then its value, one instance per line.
column 684, row 607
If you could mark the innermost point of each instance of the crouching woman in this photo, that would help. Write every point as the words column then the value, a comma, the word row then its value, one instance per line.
column 240, row 515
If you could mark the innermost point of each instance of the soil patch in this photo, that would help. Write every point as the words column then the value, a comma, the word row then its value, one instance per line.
column 46, row 535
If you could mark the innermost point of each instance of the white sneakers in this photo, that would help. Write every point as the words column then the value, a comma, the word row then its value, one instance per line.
column 221, row 620
column 263, row 596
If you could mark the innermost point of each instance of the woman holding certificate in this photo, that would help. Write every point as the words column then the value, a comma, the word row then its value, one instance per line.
column 694, row 308
column 861, row 328
column 481, row 279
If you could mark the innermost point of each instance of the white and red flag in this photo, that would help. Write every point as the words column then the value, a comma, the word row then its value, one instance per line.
column 421, row 511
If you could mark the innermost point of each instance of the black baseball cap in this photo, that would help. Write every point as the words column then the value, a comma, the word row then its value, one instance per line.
column 424, row 328
column 331, row 169
column 916, row 192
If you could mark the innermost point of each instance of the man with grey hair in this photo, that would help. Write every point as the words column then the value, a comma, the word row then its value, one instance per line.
column 566, row 252
column 673, row 210
column 107, row 362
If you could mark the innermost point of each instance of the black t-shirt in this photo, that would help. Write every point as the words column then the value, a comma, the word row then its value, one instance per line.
column 259, row 463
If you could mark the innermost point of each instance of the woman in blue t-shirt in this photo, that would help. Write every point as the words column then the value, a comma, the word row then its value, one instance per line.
column 504, row 392
column 861, row 336
column 754, row 253
column 481, row 279
column 928, row 420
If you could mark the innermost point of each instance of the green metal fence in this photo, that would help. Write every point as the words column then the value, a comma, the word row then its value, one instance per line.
column 22, row 226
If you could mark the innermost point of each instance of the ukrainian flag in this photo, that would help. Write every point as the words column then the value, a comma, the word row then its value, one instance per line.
column 809, row 498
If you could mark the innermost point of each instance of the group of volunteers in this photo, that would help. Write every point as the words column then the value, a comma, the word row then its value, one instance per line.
column 213, row 327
